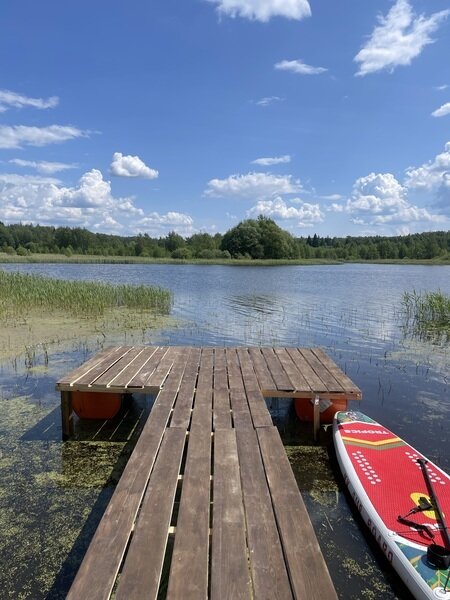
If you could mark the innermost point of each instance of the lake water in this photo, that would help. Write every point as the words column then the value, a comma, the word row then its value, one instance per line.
column 352, row 311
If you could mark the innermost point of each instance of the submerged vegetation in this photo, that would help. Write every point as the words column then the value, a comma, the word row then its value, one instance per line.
column 427, row 313
column 21, row 293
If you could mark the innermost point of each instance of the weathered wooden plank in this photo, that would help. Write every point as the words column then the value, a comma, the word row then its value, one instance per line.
column 205, row 377
column 248, row 373
column 141, row 573
column 73, row 376
column 298, row 380
column 258, row 408
column 220, row 370
column 279, row 375
column 321, row 370
column 86, row 379
column 230, row 576
column 139, row 379
column 343, row 379
column 124, row 378
column 188, row 578
column 98, row 571
column 263, row 374
column 234, row 370
column 314, row 381
column 181, row 416
column 221, row 394
column 159, row 375
column 108, row 378
column 269, row 575
column 308, row 572
column 221, row 409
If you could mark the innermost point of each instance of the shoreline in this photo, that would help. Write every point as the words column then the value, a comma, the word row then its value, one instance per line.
column 123, row 260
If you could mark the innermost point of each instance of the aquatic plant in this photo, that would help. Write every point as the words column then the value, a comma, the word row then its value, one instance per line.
column 426, row 312
column 21, row 294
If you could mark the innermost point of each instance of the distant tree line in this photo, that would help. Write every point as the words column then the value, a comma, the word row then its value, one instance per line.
column 259, row 238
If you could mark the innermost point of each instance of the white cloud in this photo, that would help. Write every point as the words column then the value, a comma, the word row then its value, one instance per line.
column 399, row 37
column 431, row 176
column 17, row 136
column 254, row 186
column 10, row 99
column 306, row 215
column 158, row 224
column 299, row 67
column 268, row 100
column 333, row 197
column 14, row 179
column 335, row 207
column 275, row 160
column 131, row 166
column 379, row 198
column 263, row 10
column 42, row 166
column 440, row 88
column 442, row 111
column 90, row 204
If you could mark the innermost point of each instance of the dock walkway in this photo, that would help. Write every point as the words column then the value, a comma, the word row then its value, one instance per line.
column 208, row 496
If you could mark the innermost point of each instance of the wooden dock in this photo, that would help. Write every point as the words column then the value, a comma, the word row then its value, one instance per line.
column 208, row 496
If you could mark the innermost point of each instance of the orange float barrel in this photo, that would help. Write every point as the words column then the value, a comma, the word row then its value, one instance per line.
column 304, row 407
column 96, row 405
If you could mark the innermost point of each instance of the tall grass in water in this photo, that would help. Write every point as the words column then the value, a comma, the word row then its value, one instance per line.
column 21, row 293
column 427, row 312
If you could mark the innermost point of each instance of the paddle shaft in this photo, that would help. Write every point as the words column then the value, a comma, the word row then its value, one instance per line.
column 435, row 501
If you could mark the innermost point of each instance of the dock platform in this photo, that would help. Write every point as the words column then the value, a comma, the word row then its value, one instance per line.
column 207, row 505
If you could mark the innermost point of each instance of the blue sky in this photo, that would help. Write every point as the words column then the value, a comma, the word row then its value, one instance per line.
column 125, row 117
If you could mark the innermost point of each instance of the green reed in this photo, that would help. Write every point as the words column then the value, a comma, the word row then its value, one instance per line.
column 21, row 293
column 427, row 311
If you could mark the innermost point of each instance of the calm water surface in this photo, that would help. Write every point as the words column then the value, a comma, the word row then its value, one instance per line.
column 52, row 494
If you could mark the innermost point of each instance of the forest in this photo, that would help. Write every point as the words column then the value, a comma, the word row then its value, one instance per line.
column 259, row 238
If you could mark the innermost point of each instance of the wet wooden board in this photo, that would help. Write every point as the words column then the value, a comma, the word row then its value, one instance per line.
column 230, row 576
column 141, row 573
column 308, row 572
column 188, row 577
column 269, row 574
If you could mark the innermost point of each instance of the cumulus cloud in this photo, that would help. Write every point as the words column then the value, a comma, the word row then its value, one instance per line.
column 253, row 186
column 17, row 136
column 432, row 175
column 10, row 99
column 379, row 198
column 399, row 37
column 305, row 214
column 43, row 166
column 90, row 204
column 299, row 67
column 131, row 166
column 268, row 100
column 275, row 160
column 333, row 197
column 442, row 111
column 263, row 10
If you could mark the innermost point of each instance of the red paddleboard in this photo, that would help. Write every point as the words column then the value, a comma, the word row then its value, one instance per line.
column 386, row 481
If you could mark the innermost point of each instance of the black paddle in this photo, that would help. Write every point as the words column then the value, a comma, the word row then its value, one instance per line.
column 437, row 555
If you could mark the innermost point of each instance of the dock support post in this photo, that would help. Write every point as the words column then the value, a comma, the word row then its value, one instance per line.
column 316, row 418
column 66, row 415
